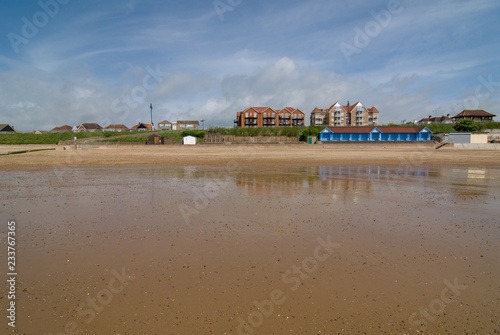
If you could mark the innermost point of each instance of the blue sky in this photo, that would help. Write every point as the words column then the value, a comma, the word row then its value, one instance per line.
column 70, row 61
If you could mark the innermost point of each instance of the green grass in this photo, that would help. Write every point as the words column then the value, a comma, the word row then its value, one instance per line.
column 55, row 138
column 140, row 136
column 259, row 131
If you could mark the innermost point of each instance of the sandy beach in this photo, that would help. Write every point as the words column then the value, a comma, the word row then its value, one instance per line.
column 253, row 240
column 253, row 155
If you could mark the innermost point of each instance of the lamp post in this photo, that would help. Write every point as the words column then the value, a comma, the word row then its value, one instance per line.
column 151, row 108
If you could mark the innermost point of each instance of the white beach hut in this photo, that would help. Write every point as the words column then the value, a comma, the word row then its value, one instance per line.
column 189, row 140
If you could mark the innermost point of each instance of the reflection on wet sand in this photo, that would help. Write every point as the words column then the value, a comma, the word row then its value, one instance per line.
column 403, row 232
column 346, row 183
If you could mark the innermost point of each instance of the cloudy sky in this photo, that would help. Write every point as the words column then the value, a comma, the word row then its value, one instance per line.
column 74, row 61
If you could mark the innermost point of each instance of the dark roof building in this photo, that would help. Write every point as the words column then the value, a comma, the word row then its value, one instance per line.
column 6, row 129
column 436, row 119
column 477, row 115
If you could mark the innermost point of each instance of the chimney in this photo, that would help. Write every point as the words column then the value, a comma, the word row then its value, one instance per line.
column 430, row 116
column 348, row 103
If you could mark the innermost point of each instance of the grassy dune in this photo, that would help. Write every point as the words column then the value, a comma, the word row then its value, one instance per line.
column 138, row 136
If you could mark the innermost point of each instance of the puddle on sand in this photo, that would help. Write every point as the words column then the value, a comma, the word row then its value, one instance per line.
column 206, row 246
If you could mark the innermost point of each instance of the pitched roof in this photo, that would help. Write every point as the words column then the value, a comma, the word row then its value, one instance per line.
column 165, row 121
column 348, row 108
column 373, row 109
column 116, row 126
column 142, row 126
column 435, row 119
column 319, row 111
column 90, row 126
column 261, row 109
column 62, row 129
column 6, row 127
column 473, row 112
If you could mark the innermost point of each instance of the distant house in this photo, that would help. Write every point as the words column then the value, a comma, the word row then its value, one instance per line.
column 477, row 115
column 435, row 119
column 62, row 129
column 38, row 132
column 6, row 129
column 187, row 125
column 165, row 125
column 116, row 128
column 142, row 127
column 89, row 127
column 329, row 134
column 189, row 140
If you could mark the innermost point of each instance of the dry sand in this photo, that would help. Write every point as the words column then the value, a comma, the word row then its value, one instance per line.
column 146, row 240
column 269, row 155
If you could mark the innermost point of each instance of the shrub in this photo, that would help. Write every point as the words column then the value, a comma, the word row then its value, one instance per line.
column 196, row 133
column 465, row 125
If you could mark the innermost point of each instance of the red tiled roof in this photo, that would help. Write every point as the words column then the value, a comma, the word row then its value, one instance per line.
column 142, row 125
column 90, row 126
column 473, row 112
column 348, row 108
column 62, row 129
column 319, row 111
column 373, row 109
column 260, row 109
column 116, row 126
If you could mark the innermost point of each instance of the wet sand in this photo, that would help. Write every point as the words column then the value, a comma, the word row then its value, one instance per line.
column 234, row 248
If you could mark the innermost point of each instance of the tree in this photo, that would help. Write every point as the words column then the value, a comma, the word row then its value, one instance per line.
column 465, row 125
column 310, row 131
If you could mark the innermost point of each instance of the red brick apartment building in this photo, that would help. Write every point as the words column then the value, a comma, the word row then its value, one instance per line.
column 268, row 117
